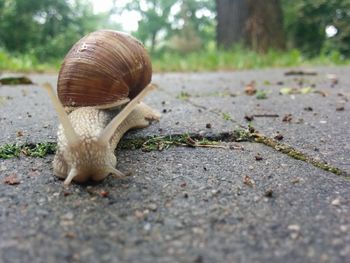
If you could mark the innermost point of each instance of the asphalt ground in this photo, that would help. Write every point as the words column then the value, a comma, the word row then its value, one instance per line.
column 240, row 202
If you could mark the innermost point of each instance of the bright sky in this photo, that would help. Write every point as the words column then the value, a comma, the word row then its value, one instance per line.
column 128, row 19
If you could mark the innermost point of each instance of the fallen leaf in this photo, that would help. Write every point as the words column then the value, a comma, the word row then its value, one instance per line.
column 104, row 193
column 11, row 180
column 287, row 118
column 248, row 181
column 250, row 88
column 322, row 93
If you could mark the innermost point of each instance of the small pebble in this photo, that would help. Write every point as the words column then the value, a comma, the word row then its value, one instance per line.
column 336, row 202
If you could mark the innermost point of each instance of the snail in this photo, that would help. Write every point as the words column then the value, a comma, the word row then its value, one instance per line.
column 101, row 83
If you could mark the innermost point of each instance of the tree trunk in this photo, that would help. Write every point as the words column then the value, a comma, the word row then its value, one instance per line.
column 258, row 24
column 231, row 18
column 264, row 26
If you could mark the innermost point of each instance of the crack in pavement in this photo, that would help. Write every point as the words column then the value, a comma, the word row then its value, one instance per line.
column 272, row 143
column 159, row 143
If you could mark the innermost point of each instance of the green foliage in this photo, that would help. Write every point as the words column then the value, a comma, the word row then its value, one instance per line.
column 34, row 150
column 44, row 30
column 306, row 21
column 25, row 63
column 35, row 35
column 238, row 58
column 174, row 23
column 154, row 19
column 204, row 60
column 261, row 94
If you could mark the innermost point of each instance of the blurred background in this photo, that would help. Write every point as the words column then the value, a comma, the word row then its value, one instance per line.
column 181, row 35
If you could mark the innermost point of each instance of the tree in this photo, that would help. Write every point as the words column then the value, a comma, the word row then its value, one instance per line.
column 231, row 18
column 45, row 28
column 154, row 19
column 307, row 20
column 257, row 24
column 193, row 25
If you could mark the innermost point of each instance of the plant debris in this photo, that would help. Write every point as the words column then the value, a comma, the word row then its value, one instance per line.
column 164, row 142
column 308, row 109
column 34, row 150
column 249, row 117
column 236, row 146
column 300, row 73
column 258, row 157
column 287, row 118
column 104, row 194
column 183, row 95
column 15, row 81
column 11, row 180
column 249, row 89
column 321, row 92
column 248, row 181
column 295, row 180
column 261, row 94
column 226, row 116
column 266, row 115
column 290, row 91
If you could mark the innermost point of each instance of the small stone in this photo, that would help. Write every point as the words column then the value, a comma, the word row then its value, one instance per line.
column 139, row 214
column 258, row 157
column 294, row 228
column 294, row 235
column 295, row 180
column 215, row 192
column 208, row 126
column 336, row 202
column 268, row 193
column 153, row 206
column 68, row 216
column 343, row 228
column 147, row 227
column 249, row 117
column 279, row 137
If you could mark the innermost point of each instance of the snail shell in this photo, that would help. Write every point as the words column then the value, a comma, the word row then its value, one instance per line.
column 102, row 69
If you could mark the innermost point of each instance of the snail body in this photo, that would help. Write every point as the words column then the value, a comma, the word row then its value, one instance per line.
column 101, row 84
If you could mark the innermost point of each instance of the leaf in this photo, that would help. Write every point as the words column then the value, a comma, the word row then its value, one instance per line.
column 306, row 90
column 11, row 180
column 286, row 91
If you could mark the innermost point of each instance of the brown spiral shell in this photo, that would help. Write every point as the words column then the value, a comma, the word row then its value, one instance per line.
column 103, row 68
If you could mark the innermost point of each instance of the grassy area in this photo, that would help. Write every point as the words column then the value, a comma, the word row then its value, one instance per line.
column 237, row 59
column 205, row 60
column 25, row 63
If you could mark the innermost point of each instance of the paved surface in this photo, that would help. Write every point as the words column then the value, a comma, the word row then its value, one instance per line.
column 189, row 204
